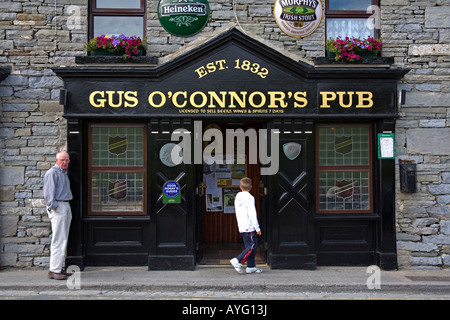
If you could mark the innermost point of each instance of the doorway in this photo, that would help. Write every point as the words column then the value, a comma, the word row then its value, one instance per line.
column 219, row 238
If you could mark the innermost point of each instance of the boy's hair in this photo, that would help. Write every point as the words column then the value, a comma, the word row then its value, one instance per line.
column 246, row 184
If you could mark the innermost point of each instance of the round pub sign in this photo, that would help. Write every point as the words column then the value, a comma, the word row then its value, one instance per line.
column 298, row 18
column 183, row 18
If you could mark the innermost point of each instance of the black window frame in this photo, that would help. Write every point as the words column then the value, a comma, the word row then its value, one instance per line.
column 118, row 12
column 343, row 14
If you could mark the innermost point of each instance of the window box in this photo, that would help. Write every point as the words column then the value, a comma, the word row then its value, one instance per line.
column 363, row 61
column 353, row 50
column 114, row 45
column 106, row 53
column 366, row 55
column 116, row 60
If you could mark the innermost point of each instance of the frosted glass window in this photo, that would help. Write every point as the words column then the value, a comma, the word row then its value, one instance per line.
column 119, row 4
column 360, row 5
column 110, row 25
column 349, row 27
column 116, row 17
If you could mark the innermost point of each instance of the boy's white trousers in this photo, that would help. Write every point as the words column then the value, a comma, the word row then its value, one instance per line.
column 60, row 219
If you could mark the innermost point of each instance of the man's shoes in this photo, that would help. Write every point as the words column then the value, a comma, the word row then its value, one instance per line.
column 57, row 276
column 64, row 271
column 253, row 270
column 237, row 266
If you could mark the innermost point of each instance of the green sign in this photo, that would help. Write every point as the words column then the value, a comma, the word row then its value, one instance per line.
column 386, row 146
column 171, row 192
column 183, row 18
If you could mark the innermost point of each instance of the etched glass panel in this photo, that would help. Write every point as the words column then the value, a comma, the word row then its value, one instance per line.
column 344, row 146
column 117, row 191
column 117, row 146
column 346, row 190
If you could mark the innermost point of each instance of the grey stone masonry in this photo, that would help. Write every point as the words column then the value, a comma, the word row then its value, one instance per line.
column 38, row 35
column 34, row 37
column 417, row 35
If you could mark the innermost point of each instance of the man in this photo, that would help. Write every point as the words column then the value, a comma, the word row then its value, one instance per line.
column 57, row 194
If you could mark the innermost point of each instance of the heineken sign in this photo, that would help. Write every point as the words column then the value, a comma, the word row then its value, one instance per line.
column 183, row 18
column 298, row 18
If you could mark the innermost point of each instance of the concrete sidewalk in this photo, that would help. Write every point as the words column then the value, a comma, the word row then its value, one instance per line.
column 225, row 279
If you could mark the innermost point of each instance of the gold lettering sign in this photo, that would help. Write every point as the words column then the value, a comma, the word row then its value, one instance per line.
column 346, row 99
column 115, row 99
column 231, row 100
column 224, row 102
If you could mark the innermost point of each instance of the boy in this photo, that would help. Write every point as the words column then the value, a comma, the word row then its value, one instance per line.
column 248, row 226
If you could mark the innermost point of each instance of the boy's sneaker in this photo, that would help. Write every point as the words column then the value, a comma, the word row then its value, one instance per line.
column 237, row 266
column 253, row 270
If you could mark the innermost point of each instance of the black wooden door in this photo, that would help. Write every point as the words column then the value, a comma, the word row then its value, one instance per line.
column 291, row 201
column 172, row 230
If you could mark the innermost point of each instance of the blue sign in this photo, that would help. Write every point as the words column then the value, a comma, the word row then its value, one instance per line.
column 171, row 192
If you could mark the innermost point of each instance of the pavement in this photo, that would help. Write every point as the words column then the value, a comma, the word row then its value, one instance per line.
column 223, row 282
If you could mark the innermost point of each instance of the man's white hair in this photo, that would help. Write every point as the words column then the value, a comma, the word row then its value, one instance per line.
column 61, row 152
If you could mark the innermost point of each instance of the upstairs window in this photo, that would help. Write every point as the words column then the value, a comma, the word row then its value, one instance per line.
column 351, row 18
column 116, row 17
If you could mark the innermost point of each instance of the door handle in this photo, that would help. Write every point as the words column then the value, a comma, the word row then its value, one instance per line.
column 263, row 188
column 200, row 190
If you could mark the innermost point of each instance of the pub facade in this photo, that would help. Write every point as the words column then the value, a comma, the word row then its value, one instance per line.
column 343, row 172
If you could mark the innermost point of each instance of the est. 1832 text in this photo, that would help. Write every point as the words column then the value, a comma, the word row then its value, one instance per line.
column 220, row 65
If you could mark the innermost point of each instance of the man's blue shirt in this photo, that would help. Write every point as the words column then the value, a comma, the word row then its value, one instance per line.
column 56, row 187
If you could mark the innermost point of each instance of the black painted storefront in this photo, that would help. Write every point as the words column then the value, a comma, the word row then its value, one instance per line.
column 207, row 85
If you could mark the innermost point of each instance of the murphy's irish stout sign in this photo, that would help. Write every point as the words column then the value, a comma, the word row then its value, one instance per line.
column 298, row 18
column 183, row 18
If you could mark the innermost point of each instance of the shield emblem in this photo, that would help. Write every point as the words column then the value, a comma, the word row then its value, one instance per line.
column 343, row 144
column 117, row 145
column 117, row 190
column 344, row 188
column 168, row 155
column 292, row 150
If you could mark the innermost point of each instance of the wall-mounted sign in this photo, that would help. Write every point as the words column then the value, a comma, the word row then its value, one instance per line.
column 166, row 156
column 298, row 18
column 231, row 81
column 171, row 192
column 386, row 146
column 183, row 18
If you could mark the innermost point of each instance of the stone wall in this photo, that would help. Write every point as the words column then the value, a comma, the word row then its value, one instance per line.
column 37, row 35
column 34, row 36
column 417, row 34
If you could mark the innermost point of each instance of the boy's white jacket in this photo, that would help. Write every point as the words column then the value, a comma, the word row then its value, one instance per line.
column 247, row 219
